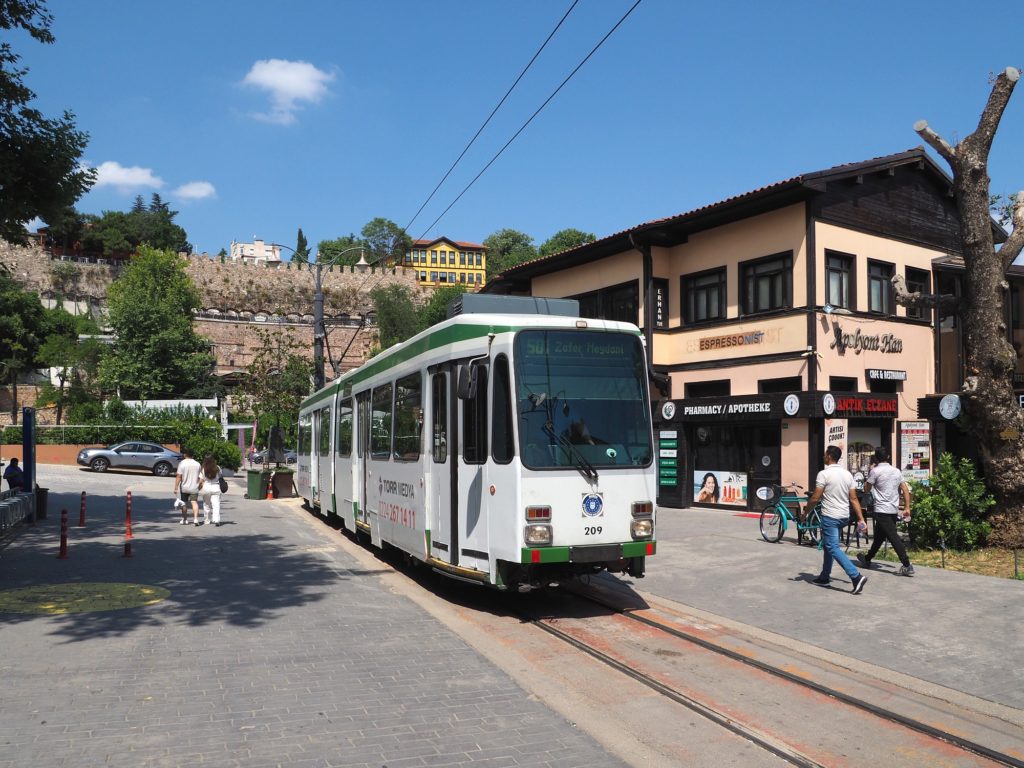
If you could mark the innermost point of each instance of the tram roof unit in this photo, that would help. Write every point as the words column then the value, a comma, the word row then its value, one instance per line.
column 476, row 322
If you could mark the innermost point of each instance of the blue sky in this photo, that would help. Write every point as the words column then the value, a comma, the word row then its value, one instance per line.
column 256, row 118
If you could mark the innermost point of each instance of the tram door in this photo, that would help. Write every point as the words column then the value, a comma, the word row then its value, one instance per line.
column 362, row 454
column 440, row 481
column 472, row 465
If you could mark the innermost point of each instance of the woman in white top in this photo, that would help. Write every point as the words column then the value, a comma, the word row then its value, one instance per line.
column 210, row 491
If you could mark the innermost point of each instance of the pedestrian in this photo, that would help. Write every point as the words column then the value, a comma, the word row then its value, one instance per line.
column 14, row 476
column 887, row 483
column 187, row 481
column 835, row 489
column 211, row 491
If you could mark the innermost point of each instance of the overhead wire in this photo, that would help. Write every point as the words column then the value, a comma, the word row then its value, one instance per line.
column 493, row 112
column 534, row 115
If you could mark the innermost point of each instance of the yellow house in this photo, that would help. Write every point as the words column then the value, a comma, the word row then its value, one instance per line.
column 448, row 262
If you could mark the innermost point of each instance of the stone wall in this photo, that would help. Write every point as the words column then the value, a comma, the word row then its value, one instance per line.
column 238, row 299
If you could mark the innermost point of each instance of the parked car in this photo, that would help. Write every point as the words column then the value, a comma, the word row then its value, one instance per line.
column 259, row 457
column 131, row 455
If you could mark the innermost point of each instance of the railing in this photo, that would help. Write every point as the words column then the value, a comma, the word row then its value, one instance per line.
column 15, row 509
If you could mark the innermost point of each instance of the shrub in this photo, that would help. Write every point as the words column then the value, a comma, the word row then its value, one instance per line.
column 224, row 453
column 952, row 510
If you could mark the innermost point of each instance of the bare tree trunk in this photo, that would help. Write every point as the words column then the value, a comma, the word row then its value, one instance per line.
column 992, row 413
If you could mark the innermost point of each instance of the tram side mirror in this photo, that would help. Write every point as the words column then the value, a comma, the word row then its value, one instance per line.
column 467, row 382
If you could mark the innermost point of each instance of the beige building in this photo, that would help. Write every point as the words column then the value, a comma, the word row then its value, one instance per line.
column 256, row 252
column 772, row 327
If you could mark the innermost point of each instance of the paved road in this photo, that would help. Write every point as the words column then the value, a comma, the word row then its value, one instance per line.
column 270, row 649
column 957, row 630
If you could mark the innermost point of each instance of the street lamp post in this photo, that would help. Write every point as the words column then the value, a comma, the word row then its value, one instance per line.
column 319, row 328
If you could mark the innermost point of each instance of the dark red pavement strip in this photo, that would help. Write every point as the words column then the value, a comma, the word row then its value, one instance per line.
column 747, row 514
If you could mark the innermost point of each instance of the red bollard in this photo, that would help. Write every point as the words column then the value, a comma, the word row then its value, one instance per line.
column 63, row 554
column 127, row 548
column 81, row 512
column 128, row 519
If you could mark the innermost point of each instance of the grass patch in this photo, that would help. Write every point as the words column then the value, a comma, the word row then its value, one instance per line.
column 987, row 561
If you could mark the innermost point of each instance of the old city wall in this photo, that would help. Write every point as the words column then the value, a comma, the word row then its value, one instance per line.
column 237, row 300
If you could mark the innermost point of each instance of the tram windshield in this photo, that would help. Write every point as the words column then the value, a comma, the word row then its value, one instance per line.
column 581, row 399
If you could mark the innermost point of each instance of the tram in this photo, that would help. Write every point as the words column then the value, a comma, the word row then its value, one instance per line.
column 509, row 445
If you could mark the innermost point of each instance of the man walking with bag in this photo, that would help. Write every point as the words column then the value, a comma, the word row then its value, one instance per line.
column 835, row 489
column 886, row 482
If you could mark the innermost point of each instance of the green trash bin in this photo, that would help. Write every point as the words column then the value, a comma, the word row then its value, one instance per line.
column 257, row 481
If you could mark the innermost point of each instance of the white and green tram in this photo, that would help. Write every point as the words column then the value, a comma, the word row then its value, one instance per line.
column 509, row 445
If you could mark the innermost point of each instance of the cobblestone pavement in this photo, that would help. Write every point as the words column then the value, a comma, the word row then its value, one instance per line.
column 273, row 648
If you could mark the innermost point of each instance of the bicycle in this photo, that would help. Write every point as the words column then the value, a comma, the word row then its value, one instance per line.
column 776, row 516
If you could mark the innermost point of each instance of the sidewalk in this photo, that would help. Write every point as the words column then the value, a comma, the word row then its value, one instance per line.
column 958, row 630
column 270, row 646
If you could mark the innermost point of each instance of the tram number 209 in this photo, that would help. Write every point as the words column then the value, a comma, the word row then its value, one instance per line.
column 592, row 530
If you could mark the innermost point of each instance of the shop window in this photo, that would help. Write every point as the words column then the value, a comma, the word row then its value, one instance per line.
column 842, row 384
column 917, row 282
column 704, row 297
column 951, row 358
column 767, row 284
column 880, row 295
column 722, row 388
column 885, row 386
column 839, row 280
column 778, row 386
column 618, row 302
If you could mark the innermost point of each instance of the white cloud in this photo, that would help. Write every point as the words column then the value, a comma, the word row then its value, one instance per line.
column 113, row 174
column 195, row 190
column 288, row 83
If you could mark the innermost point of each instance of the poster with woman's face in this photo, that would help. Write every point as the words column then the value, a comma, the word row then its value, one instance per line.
column 718, row 487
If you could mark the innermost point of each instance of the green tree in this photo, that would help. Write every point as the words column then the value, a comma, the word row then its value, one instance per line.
column 156, row 353
column 397, row 315
column 386, row 241
column 563, row 240
column 40, row 171
column 506, row 248
column 341, row 250
column 436, row 308
column 22, row 329
column 278, row 380
column 301, row 255
column 120, row 232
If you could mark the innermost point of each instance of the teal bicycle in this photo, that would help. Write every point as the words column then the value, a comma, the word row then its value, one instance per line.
column 788, row 507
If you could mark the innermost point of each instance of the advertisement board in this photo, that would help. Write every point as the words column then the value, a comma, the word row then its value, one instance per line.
column 915, row 457
column 720, row 487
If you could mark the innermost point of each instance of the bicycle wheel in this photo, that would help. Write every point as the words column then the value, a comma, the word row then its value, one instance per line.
column 772, row 523
column 813, row 529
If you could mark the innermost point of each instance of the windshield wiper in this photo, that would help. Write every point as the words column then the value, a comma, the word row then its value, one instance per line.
column 578, row 459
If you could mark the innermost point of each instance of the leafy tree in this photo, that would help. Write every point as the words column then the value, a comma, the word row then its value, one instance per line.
column 992, row 414
column 565, row 239
column 278, row 380
column 120, row 232
column 61, row 351
column 341, row 250
column 506, row 248
column 436, row 308
column 66, row 228
column 301, row 255
column 952, row 510
column 156, row 354
column 40, row 172
column 22, row 329
column 397, row 315
column 387, row 242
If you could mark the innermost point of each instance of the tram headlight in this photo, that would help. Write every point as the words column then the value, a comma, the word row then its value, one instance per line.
column 643, row 509
column 642, row 528
column 537, row 535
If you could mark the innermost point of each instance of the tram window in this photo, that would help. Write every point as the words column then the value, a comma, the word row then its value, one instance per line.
column 408, row 417
column 439, row 416
column 362, row 423
column 474, row 422
column 380, row 423
column 344, row 439
column 501, row 432
column 305, row 435
column 324, row 430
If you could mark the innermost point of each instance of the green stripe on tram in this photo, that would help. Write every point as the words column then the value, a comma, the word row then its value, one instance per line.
column 561, row 554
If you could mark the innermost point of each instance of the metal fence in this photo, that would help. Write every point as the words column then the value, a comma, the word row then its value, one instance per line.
column 16, row 508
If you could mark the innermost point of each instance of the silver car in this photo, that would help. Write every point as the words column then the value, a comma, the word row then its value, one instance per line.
column 131, row 455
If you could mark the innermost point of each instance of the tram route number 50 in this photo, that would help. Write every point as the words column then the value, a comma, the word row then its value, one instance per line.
column 592, row 530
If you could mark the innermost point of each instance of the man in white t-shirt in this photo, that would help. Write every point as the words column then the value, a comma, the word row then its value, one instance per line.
column 835, row 489
column 187, row 482
column 886, row 483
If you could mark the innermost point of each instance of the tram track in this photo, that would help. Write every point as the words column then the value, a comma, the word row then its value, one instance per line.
column 719, row 715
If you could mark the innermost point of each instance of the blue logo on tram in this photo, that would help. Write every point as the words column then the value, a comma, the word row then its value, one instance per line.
column 593, row 505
